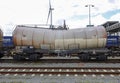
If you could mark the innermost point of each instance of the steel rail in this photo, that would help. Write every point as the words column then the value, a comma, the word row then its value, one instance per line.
column 81, row 73
column 61, row 70
column 115, row 68
column 60, row 61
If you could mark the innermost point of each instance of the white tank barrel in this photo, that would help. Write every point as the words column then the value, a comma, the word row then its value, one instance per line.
column 81, row 38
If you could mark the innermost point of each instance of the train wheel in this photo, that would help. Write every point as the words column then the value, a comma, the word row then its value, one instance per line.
column 101, row 58
column 85, row 57
column 40, row 56
column 1, row 54
column 18, row 57
column 34, row 57
column 104, row 57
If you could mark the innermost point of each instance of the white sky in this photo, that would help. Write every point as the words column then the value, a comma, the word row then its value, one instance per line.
column 75, row 13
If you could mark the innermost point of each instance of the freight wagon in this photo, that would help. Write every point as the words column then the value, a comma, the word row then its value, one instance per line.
column 34, row 42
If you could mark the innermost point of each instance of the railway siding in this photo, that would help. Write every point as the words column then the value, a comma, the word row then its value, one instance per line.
column 57, row 70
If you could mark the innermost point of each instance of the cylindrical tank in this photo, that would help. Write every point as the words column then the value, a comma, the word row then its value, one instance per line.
column 81, row 38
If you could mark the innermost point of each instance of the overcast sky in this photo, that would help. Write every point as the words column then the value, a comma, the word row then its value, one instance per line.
column 13, row 12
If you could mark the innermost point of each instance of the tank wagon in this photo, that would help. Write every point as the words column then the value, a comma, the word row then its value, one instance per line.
column 34, row 42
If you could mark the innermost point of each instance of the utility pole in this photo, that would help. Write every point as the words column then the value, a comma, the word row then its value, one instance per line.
column 89, row 6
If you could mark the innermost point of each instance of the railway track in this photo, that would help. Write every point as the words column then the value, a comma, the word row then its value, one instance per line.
column 59, row 61
column 59, row 71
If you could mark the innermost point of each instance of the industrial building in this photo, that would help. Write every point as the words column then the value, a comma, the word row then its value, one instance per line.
column 112, row 27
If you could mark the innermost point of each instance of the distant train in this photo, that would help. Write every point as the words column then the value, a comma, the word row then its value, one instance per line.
column 34, row 42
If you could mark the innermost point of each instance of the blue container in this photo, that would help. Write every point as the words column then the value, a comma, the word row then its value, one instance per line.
column 113, row 41
column 7, row 41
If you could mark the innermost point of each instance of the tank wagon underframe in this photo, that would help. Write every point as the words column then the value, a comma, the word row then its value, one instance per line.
column 83, row 54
